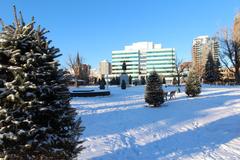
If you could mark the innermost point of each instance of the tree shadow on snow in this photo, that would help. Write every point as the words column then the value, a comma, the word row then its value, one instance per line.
column 201, row 96
column 120, row 121
column 203, row 139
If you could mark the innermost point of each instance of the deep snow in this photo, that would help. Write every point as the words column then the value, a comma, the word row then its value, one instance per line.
column 121, row 127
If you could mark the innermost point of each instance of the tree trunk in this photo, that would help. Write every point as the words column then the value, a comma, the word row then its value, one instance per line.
column 178, row 80
column 237, row 75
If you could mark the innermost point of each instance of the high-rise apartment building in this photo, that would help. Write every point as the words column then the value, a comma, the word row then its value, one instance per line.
column 201, row 47
column 105, row 67
column 143, row 57
column 236, row 28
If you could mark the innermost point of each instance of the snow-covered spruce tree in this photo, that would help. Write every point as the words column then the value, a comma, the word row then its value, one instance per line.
column 219, row 75
column 36, row 119
column 209, row 73
column 193, row 85
column 164, row 80
column 130, row 80
column 212, row 70
column 153, row 91
column 143, row 81
column 102, row 83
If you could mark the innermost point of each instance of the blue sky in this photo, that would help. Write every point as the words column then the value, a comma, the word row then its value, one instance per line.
column 96, row 27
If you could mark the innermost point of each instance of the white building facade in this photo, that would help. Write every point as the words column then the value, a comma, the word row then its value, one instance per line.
column 142, row 58
column 105, row 67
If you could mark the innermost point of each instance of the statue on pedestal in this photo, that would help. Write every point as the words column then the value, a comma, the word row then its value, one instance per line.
column 124, row 76
column 124, row 67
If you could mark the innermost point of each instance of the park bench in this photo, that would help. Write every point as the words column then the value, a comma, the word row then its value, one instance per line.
column 165, row 94
column 172, row 95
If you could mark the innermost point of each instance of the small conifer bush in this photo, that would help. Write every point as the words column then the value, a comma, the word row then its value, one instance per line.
column 153, row 92
column 193, row 85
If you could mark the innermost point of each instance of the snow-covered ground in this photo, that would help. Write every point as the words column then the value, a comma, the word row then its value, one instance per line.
column 121, row 127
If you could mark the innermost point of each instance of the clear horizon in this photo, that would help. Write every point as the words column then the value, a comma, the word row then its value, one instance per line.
column 96, row 28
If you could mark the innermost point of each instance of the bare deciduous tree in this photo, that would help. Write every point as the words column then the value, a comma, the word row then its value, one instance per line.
column 179, row 70
column 230, row 53
column 75, row 65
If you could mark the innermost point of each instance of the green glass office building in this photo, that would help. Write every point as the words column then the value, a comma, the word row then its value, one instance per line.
column 142, row 58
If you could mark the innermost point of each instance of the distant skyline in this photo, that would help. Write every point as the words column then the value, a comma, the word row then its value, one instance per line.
column 95, row 28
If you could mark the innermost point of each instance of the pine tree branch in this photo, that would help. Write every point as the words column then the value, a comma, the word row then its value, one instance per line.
column 21, row 19
column 15, row 17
